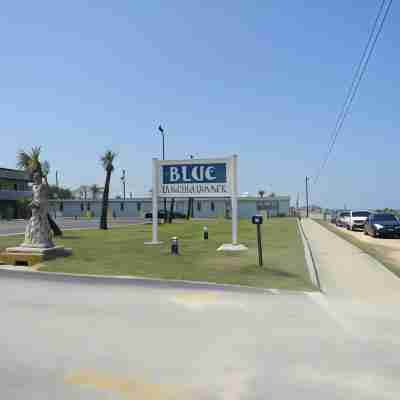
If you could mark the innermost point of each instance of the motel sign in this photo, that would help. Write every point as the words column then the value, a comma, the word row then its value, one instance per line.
column 196, row 178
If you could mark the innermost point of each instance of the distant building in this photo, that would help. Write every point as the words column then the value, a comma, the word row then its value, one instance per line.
column 273, row 206
column 14, row 190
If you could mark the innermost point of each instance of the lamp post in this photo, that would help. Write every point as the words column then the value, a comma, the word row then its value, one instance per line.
column 162, row 132
column 123, row 179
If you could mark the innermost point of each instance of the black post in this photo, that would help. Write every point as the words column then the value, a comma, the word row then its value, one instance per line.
column 260, row 254
column 124, row 183
column 163, row 146
column 57, row 179
column 307, row 196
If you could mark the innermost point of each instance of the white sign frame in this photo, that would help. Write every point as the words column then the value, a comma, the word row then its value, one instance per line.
column 231, row 172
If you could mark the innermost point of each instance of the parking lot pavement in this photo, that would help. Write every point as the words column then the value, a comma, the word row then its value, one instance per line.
column 67, row 338
column 18, row 227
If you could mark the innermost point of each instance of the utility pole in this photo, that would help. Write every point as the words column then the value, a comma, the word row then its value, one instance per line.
column 123, row 179
column 57, row 179
column 297, row 205
column 307, row 196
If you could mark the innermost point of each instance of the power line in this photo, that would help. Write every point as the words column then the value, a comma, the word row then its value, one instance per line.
column 357, row 77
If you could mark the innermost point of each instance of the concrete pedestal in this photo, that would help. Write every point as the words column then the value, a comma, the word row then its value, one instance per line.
column 232, row 247
column 32, row 255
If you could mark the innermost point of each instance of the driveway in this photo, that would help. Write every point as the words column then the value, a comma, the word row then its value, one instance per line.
column 82, row 338
column 65, row 337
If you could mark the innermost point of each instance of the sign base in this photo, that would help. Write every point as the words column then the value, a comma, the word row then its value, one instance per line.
column 232, row 247
column 152, row 243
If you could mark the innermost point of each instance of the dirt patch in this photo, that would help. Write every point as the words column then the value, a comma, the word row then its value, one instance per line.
column 393, row 244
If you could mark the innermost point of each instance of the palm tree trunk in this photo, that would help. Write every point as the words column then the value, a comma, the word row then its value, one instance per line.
column 104, row 209
column 190, row 209
column 53, row 225
column 171, row 210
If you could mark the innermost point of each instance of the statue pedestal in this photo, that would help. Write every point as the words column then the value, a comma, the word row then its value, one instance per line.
column 32, row 255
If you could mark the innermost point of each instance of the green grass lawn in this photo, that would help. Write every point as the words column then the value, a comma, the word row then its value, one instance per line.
column 121, row 251
column 377, row 251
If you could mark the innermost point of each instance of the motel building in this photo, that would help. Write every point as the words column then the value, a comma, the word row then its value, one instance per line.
column 14, row 193
column 138, row 207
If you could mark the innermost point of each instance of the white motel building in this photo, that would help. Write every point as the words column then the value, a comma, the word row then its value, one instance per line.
column 273, row 206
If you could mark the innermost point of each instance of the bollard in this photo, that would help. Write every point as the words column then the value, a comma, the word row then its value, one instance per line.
column 205, row 233
column 175, row 246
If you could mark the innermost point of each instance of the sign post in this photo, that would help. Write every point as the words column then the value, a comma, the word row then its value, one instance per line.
column 154, row 230
column 200, row 178
column 234, row 197
column 258, row 220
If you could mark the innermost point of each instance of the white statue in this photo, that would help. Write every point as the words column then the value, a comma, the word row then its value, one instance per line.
column 38, row 233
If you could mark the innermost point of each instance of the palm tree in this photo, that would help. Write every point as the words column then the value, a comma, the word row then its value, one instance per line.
column 107, row 161
column 30, row 161
column 261, row 193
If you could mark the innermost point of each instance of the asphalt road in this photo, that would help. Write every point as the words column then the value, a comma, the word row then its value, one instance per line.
column 16, row 227
column 82, row 338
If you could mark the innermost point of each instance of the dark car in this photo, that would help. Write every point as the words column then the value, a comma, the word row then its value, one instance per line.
column 382, row 224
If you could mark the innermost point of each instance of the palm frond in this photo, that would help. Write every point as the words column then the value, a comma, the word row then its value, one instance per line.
column 23, row 160
column 30, row 162
column 107, row 160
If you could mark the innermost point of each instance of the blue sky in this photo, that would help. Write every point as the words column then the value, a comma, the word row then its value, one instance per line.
column 263, row 79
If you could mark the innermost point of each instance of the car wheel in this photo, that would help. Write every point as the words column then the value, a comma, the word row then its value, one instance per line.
column 365, row 232
column 348, row 227
column 374, row 234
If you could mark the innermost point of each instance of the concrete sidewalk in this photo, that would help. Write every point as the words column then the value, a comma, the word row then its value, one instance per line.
column 347, row 272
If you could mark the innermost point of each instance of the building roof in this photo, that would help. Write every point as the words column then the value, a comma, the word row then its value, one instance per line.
column 149, row 199
column 14, row 174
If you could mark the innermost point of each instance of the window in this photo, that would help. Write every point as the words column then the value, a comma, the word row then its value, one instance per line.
column 212, row 206
column 384, row 217
column 61, row 206
column 138, row 206
column 122, row 206
column 360, row 214
column 199, row 206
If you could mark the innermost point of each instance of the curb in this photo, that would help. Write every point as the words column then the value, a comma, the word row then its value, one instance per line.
column 310, row 260
column 12, row 271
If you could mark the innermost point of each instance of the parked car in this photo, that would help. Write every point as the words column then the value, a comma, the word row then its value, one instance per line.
column 357, row 220
column 148, row 217
column 382, row 224
column 343, row 218
column 161, row 216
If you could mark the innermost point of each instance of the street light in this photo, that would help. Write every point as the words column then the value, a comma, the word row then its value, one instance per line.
column 162, row 132
column 123, row 179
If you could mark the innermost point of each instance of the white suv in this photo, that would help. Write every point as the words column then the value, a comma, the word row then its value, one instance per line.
column 357, row 220
column 343, row 218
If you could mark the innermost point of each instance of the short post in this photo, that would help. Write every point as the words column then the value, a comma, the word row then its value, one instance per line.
column 205, row 233
column 175, row 246
column 258, row 220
